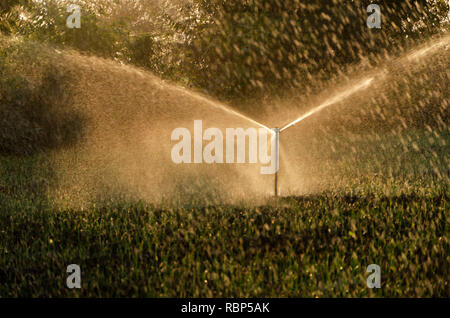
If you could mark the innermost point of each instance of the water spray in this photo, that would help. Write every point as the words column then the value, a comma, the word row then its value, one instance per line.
column 221, row 106
column 276, row 131
column 366, row 83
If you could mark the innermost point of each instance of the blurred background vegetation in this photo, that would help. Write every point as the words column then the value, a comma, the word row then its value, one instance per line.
column 240, row 52
column 231, row 49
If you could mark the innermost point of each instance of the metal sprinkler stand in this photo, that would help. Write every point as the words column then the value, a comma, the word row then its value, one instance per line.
column 277, row 153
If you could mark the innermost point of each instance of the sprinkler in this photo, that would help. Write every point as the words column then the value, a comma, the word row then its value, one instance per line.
column 276, row 131
column 364, row 84
column 277, row 156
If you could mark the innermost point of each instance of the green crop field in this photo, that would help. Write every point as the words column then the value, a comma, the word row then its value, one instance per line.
column 316, row 245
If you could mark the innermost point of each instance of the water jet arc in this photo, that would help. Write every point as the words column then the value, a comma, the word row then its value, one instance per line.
column 277, row 131
column 330, row 102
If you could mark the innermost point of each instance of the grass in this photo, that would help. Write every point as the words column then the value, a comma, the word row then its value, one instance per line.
column 311, row 246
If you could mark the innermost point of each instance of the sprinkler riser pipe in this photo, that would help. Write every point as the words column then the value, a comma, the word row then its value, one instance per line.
column 277, row 157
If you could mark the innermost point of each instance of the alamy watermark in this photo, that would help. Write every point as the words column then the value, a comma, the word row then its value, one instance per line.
column 374, row 20
column 74, row 19
column 229, row 147
column 374, row 279
column 74, row 279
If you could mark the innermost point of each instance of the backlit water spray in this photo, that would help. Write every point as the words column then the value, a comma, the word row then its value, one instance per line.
column 336, row 99
column 122, row 152
column 366, row 83
column 222, row 107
